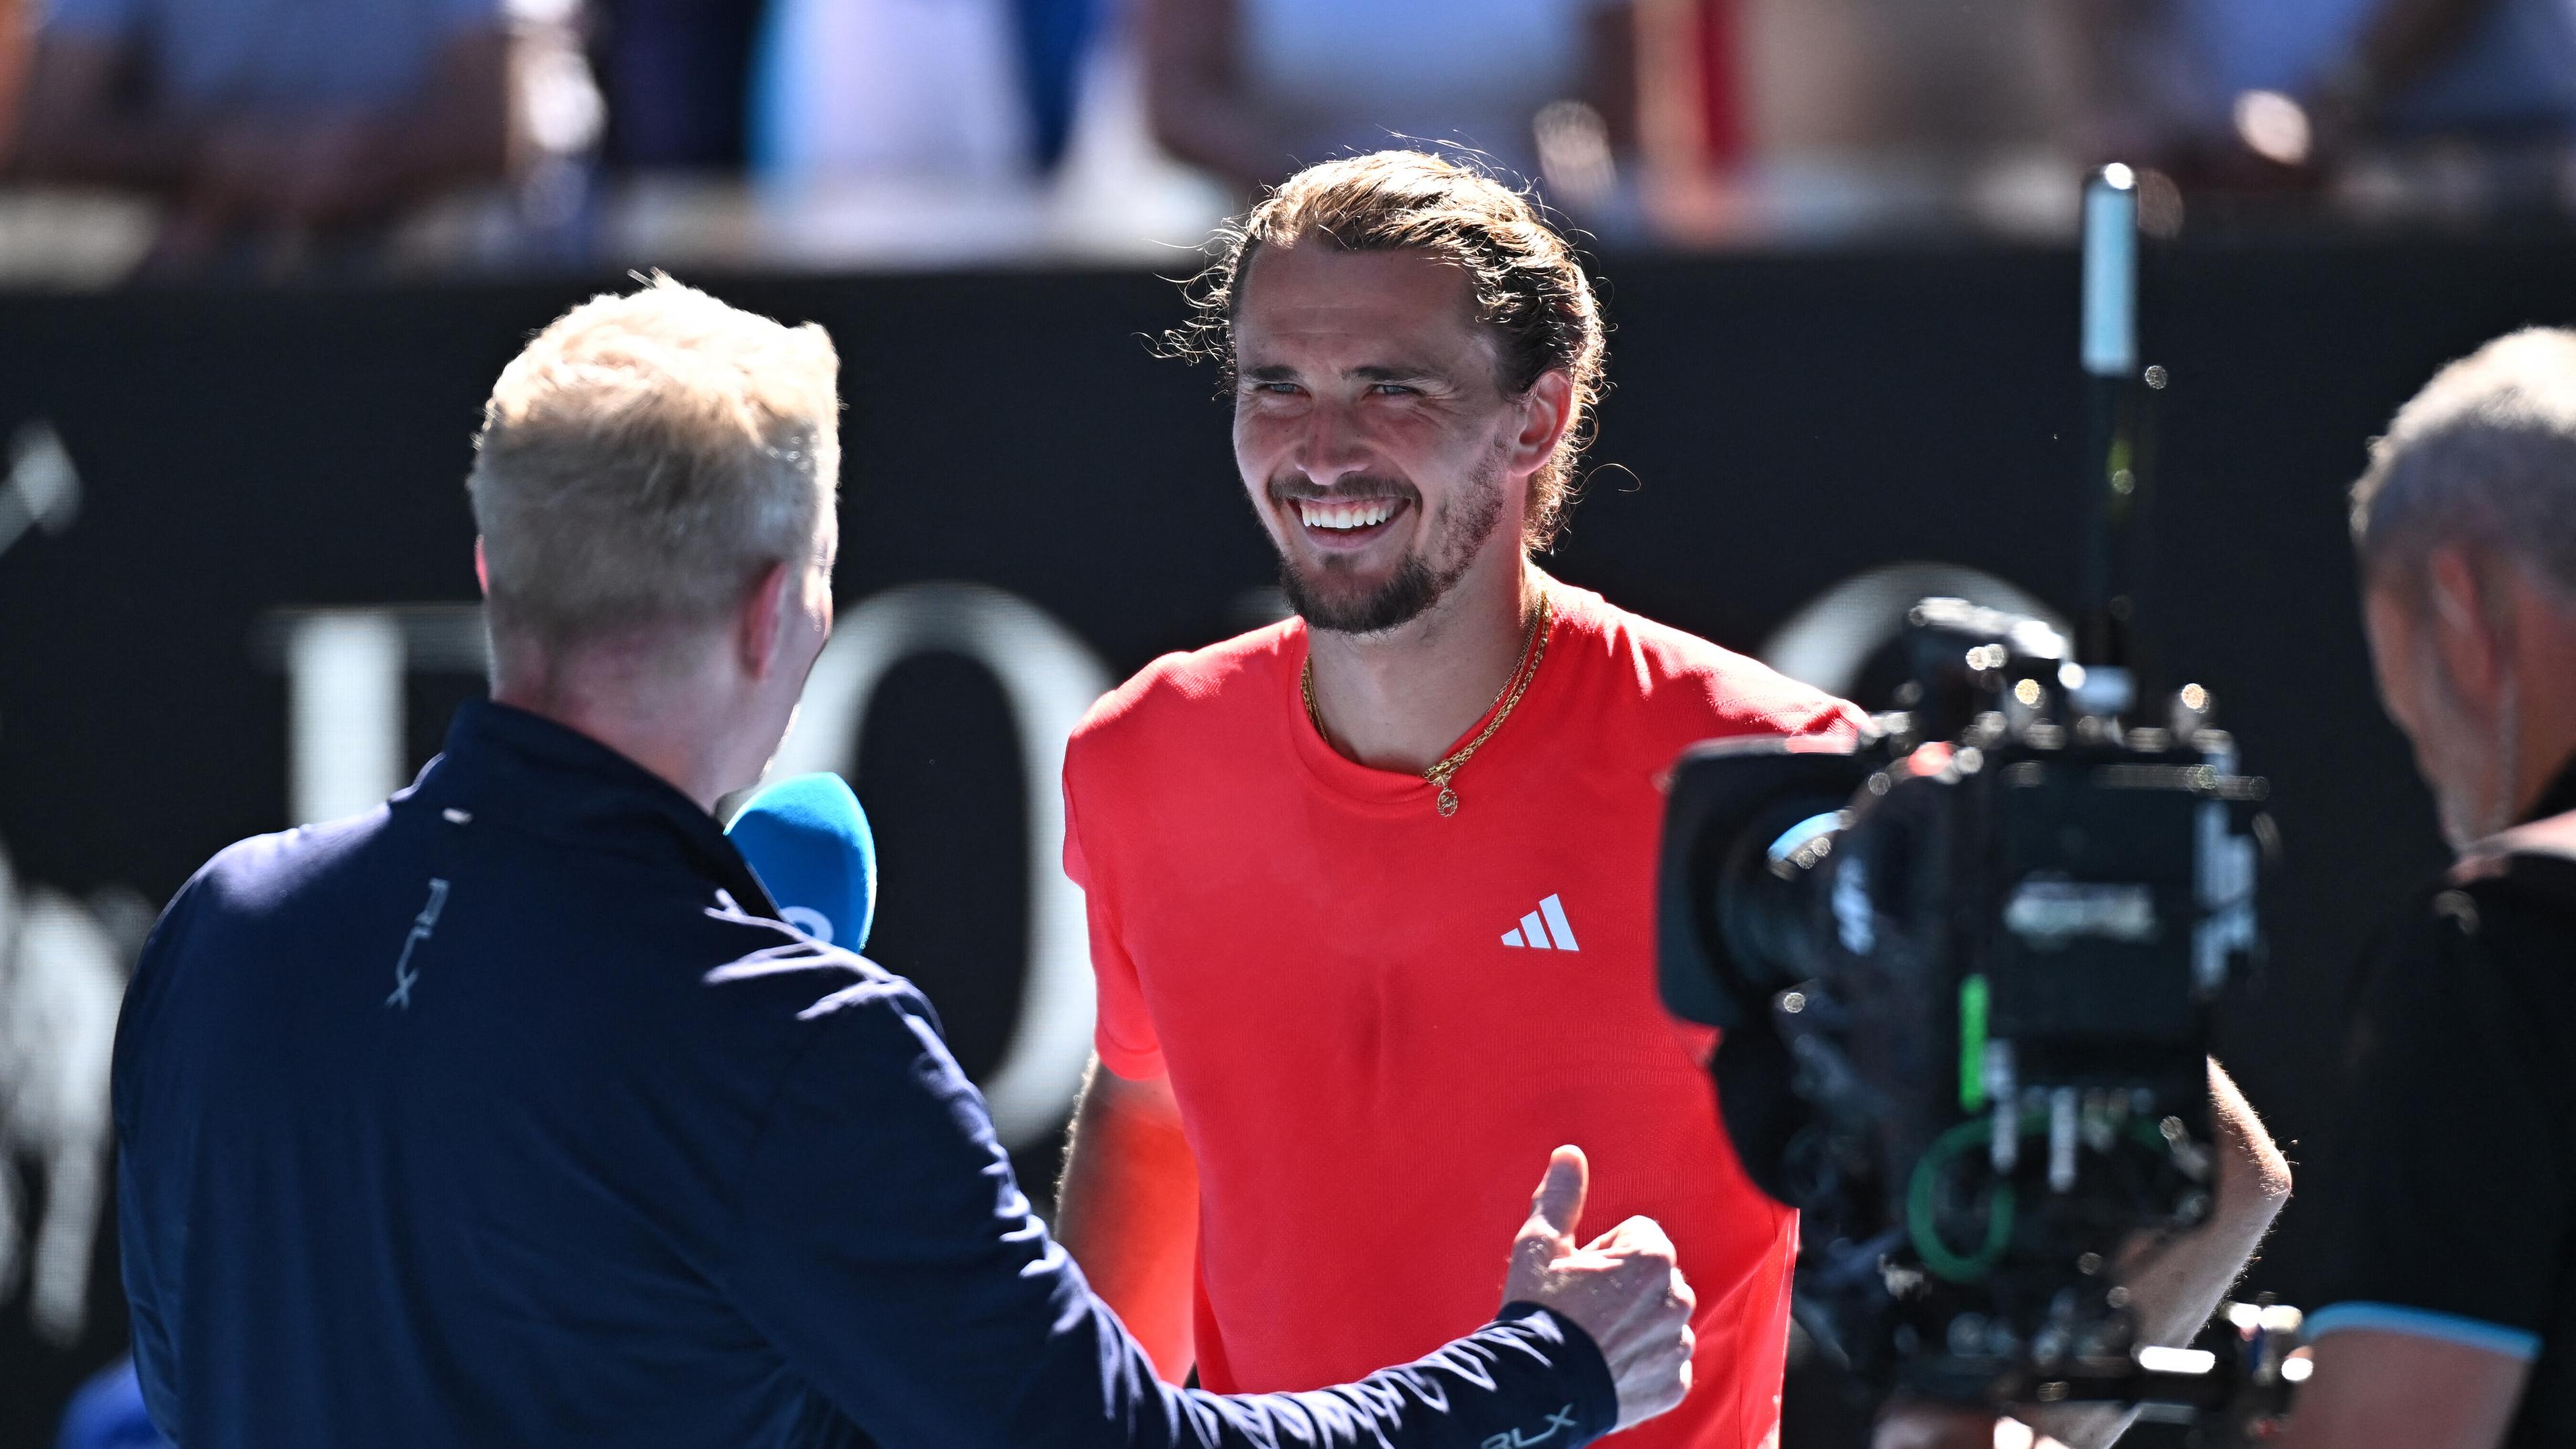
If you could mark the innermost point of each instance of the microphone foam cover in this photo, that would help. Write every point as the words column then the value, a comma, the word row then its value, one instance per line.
column 808, row 841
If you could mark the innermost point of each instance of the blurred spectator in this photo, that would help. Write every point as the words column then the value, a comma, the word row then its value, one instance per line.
column 1692, row 98
column 14, row 46
column 1940, row 85
column 954, row 90
column 1254, row 89
column 2229, row 92
column 277, row 128
column 677, row 74
column 1805, row 120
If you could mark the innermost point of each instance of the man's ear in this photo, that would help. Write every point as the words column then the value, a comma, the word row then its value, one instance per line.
column 482, row 570
column 759, row 622
column 2468, row 637
column 1547, row 411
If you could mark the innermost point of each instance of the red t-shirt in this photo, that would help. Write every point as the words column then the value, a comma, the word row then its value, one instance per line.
column 1378, row 1021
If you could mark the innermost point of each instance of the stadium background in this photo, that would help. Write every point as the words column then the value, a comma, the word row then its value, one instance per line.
column 1779, row 422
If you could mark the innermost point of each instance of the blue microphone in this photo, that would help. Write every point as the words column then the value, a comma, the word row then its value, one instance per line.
column 808, row 841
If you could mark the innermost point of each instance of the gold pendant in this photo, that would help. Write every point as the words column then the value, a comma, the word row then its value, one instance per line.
column 1448, row 802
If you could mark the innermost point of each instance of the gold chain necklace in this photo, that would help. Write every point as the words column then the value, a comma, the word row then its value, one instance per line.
column 1533, row 651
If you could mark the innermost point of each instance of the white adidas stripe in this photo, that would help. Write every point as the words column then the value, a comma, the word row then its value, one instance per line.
column 1544, row 929
column 1557, row 925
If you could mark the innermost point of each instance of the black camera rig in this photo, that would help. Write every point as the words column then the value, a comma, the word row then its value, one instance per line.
column 1966, row 967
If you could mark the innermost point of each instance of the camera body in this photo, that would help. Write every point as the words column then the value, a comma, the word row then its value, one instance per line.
column 1966, row 970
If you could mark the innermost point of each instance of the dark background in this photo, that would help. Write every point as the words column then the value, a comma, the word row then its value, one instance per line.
column 1777, row 424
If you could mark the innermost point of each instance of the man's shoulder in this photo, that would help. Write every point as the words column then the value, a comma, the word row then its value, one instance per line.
column 634, row 930
column 1696, row 685
column 2488, row 939
column 262, row 874
column 794, row 982
column 2509, row 899
column 2498, row 856
column 1188, row 694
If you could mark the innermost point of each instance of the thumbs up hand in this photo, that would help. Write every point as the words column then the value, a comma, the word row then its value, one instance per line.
column 1622, row 1288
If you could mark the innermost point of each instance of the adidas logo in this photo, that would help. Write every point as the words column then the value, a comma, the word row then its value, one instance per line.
column 1544, row 929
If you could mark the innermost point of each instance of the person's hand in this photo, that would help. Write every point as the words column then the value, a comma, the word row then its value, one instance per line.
column 1623, row 1289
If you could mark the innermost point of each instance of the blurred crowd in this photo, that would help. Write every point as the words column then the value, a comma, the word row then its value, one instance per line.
column 255, row 138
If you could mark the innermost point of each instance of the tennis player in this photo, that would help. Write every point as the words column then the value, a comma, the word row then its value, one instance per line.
column 1370, row 890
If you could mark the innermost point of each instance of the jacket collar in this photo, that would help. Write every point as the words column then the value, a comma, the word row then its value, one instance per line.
column 512, row 767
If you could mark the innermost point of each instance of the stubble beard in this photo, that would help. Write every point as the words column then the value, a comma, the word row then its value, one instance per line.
column 1457, row 535
column 2470, row 762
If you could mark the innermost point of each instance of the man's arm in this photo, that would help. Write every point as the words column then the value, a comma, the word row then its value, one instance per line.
column 2175, row 1284
column 149, row 1232
column 879, row 1242
column 156, row 1363
column 1127, row 1209
column 1194, row 94
column 2380, row 1390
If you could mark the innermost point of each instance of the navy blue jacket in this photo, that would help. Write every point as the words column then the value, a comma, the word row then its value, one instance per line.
column 504, row 1115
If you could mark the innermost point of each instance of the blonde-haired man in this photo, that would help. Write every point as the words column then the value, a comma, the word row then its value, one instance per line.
column 508, row 1114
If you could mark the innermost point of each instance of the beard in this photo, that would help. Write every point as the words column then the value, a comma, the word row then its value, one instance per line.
column 1329, row 595
column 1328, row 599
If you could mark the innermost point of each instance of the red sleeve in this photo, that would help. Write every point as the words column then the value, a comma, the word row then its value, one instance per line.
column 1123, row 1033
column 1839, row 721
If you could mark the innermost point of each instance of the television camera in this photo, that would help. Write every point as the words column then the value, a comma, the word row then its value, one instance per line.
column 1966, row 969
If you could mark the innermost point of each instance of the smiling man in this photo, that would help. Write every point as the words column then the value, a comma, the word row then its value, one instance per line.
column 1370, row 890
